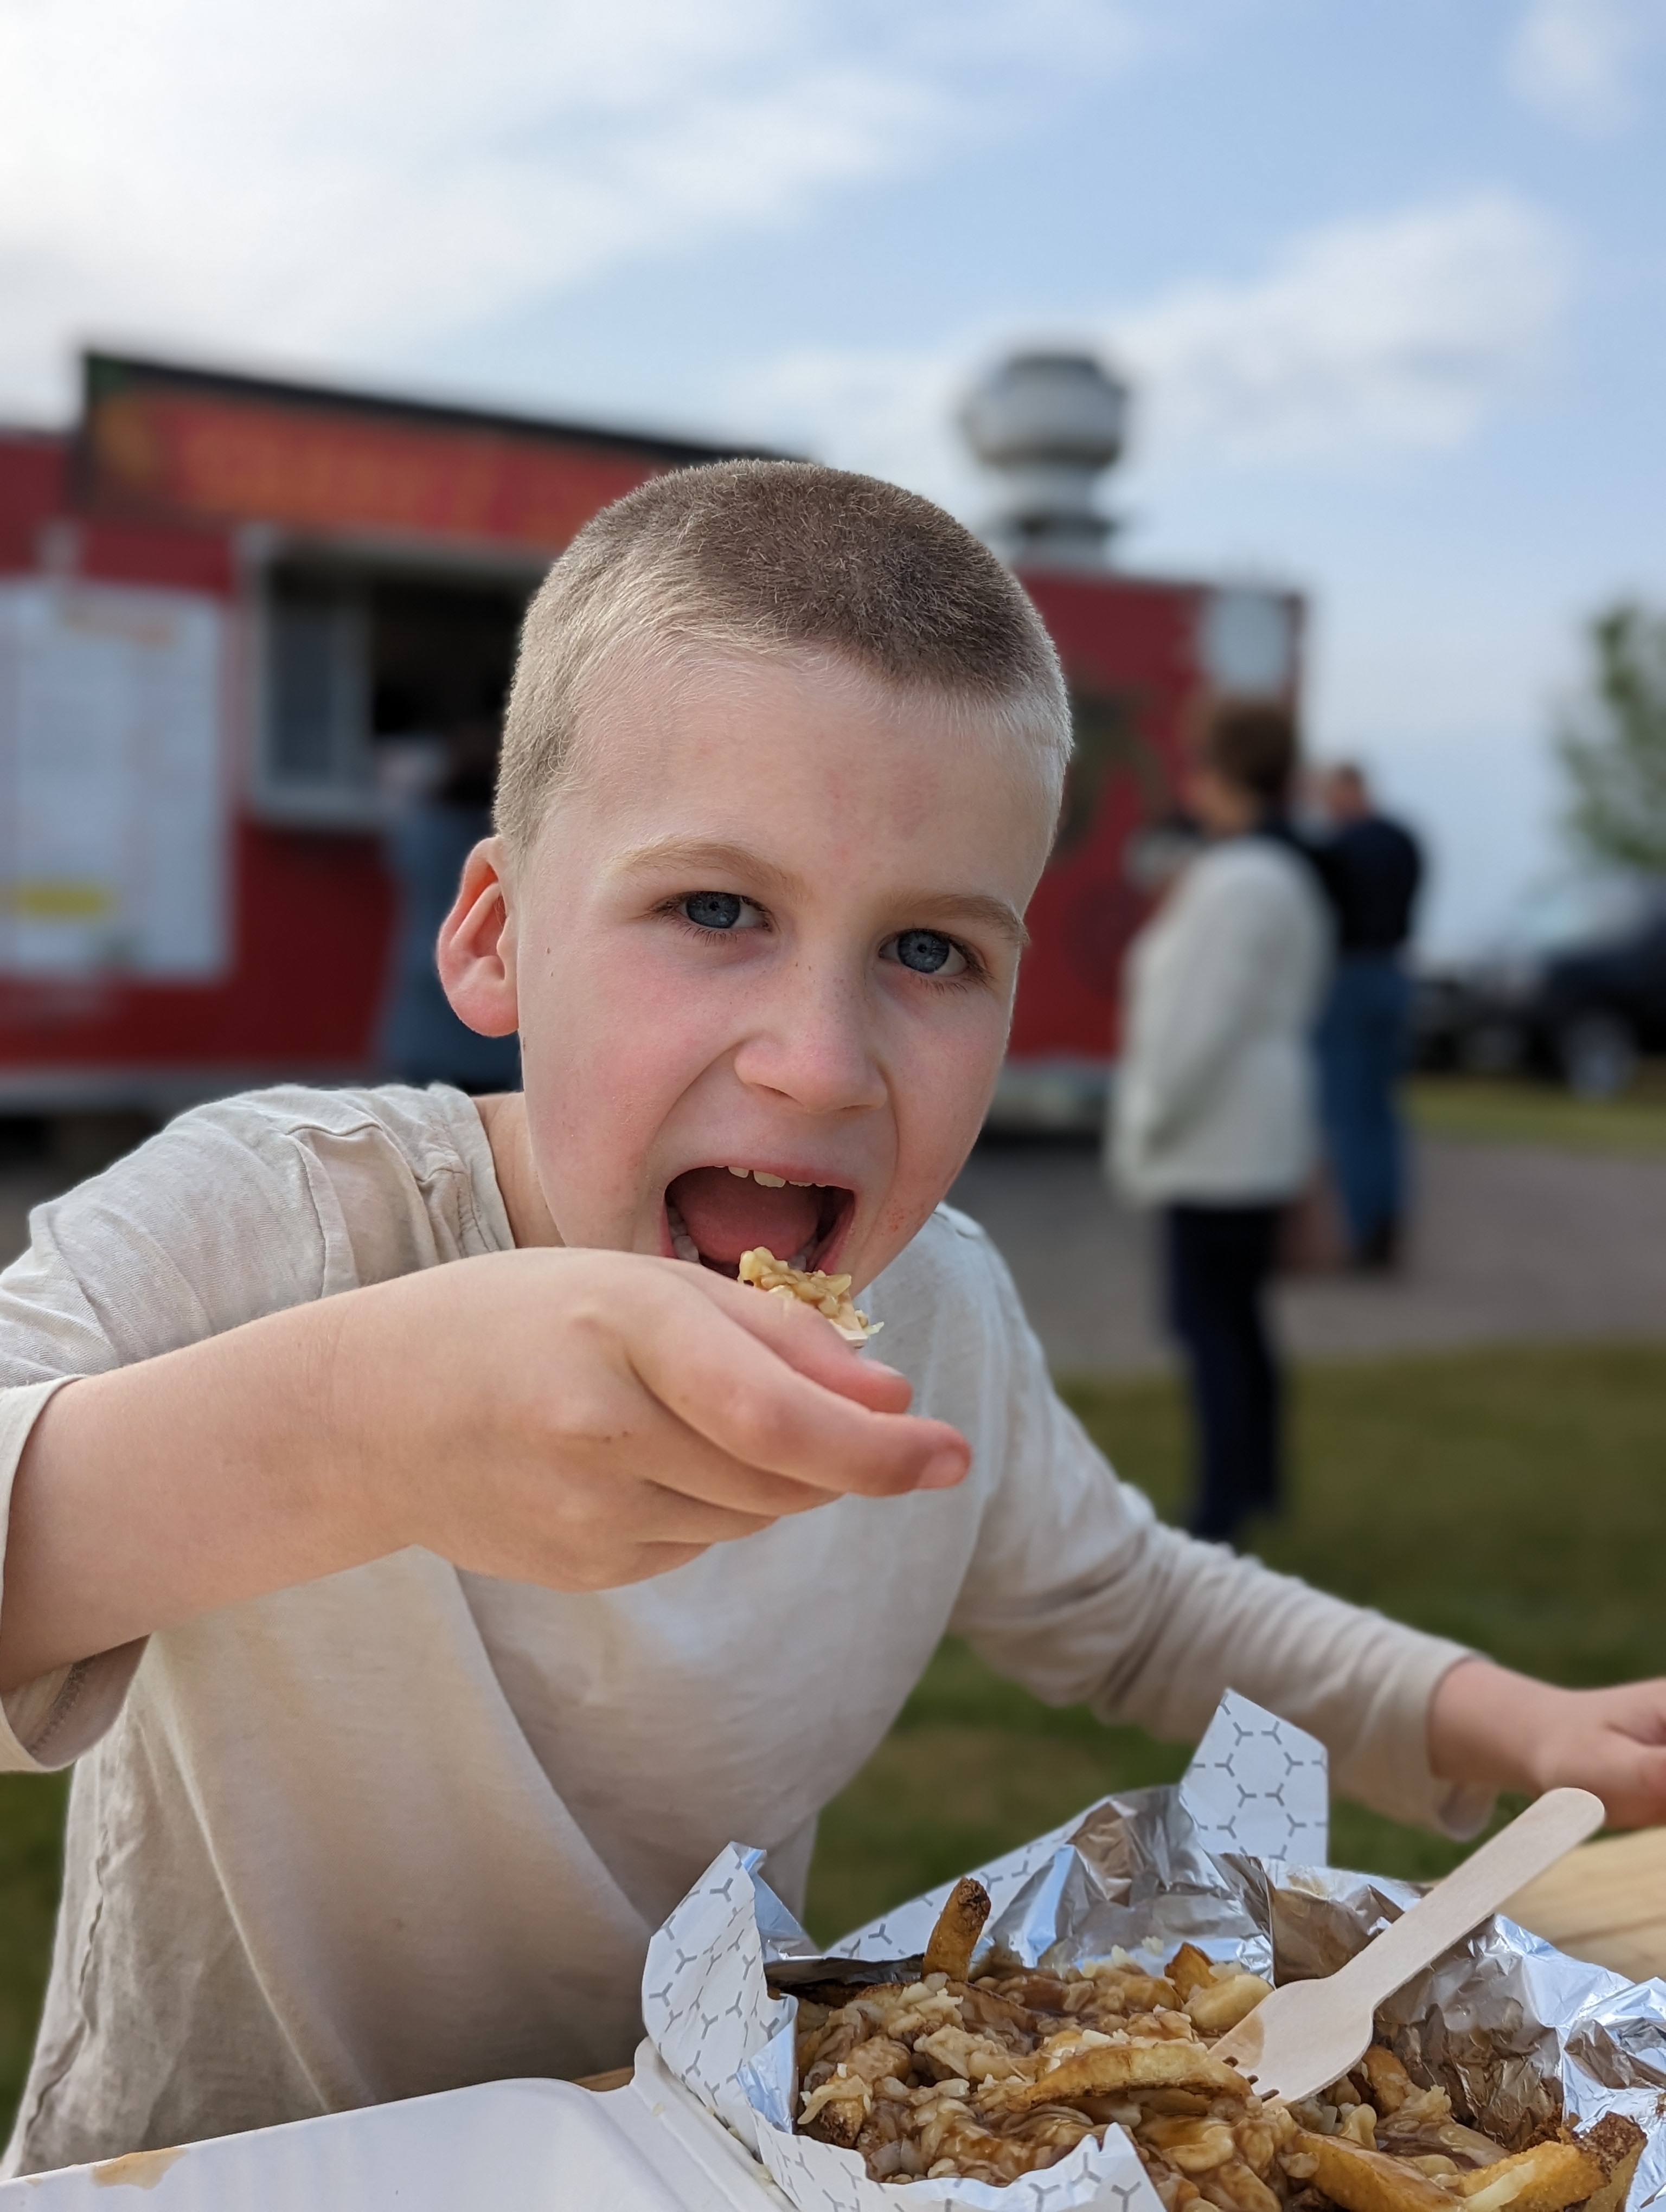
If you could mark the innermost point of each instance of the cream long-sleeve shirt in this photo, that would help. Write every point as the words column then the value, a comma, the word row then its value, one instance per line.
column 1213, row 1103
column 407, row 1828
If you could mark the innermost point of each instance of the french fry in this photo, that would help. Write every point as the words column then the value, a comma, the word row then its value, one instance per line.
column 1362, row 2180
column 1176, row 2065
column 1552, row 2175
column 1191, row 2147
column 959, row 1924
column 1618, row 2142
column 1234, row 2188
column 1390, row 2084
column 1214, row 2007
column 1543, row 2180
column 1189, row 1969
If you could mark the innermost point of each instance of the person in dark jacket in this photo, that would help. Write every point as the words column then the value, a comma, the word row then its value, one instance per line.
column 1372, row 869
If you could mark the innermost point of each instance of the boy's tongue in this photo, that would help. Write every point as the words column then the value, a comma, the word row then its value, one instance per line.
column 726, row 1216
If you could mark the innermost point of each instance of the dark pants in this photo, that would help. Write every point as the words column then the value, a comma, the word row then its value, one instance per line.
column 1220, row 1260
column 1362, row 1050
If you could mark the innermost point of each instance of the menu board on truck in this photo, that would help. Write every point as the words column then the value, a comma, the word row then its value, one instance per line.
column 114, row 829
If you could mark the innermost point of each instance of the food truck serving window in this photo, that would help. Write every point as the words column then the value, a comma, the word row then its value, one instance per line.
column 368, row 674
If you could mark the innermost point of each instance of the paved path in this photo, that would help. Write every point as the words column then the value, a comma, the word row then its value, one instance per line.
column 1514, row 1245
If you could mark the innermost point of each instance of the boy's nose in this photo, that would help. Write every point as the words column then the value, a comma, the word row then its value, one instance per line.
column 815, row 1046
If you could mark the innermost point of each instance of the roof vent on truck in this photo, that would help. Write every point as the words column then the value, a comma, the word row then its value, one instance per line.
column 1049, row 424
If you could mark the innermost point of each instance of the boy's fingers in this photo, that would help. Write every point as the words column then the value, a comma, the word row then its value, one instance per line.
column 697, row 1468
column 736, row 1388
column 682, row 1516
column 796, row 1332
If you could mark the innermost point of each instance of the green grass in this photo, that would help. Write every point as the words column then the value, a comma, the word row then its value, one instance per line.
column 1511, row 1110
column 31, row 1839
column 1513, row 1499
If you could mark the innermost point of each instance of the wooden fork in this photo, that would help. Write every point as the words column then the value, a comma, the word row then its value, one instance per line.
column 1308, row 2034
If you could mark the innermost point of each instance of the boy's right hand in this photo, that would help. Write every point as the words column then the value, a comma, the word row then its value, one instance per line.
column 587, row 1419
column 577, row 1418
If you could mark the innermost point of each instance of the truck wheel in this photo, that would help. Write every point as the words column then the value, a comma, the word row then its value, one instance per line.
column 1597, row 1054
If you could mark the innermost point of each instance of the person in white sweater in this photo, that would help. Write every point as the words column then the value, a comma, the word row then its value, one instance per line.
column 1215, row 1118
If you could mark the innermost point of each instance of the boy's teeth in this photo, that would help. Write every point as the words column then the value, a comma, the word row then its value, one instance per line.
column 681, row 1242
column 769, row 1182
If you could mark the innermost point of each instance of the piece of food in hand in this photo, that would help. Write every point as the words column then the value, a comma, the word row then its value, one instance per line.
column 829, row 1294
column 954, row 1940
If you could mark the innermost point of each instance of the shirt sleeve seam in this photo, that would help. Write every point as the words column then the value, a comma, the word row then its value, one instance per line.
column 64, row 1707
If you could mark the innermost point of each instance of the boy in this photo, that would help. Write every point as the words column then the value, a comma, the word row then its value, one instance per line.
column 485, row 1600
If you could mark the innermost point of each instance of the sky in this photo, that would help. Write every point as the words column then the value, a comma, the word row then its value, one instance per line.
column 1387, row 279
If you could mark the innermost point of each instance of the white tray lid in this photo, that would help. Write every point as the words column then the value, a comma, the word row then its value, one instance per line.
column 517, row 2146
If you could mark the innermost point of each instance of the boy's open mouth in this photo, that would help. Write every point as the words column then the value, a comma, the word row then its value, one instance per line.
column 714, row 1214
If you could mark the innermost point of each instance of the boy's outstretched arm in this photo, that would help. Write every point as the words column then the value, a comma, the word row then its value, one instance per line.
column 1489, row 1725
column 578, row 1419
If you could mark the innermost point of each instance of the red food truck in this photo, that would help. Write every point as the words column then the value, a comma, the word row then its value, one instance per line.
column 227, row 604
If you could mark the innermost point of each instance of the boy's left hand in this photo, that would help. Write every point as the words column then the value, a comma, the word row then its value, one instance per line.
column 1489, row 1725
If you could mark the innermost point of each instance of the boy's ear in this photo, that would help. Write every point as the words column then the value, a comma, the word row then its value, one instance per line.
column 476, row 949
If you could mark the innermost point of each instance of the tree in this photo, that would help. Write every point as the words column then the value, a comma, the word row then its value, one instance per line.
column 1613, row 741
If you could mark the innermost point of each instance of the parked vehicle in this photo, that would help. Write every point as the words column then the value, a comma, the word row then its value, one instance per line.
column 1575, row 989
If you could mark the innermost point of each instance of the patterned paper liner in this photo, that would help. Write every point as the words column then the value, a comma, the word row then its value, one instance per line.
column 1256, row 1784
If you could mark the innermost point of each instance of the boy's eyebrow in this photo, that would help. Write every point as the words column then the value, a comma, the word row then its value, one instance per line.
column 973, row 906
column 697, row 853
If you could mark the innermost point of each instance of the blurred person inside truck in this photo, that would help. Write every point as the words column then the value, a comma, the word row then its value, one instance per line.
column 1372, row 869
column 1214, row 1118
column 432, row 830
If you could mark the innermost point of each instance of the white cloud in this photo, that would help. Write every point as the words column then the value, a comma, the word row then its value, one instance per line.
column 1363, row 339
column 353, row 178
column 1577, row 60
column 1394, row 332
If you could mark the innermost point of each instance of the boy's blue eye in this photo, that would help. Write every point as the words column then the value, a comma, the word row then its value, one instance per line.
column 714, row 909
column 926, row 951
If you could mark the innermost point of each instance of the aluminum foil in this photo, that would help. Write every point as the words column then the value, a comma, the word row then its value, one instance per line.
column 1515, row 2031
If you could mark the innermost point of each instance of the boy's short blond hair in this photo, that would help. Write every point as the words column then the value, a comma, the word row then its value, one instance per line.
column 777, row 558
